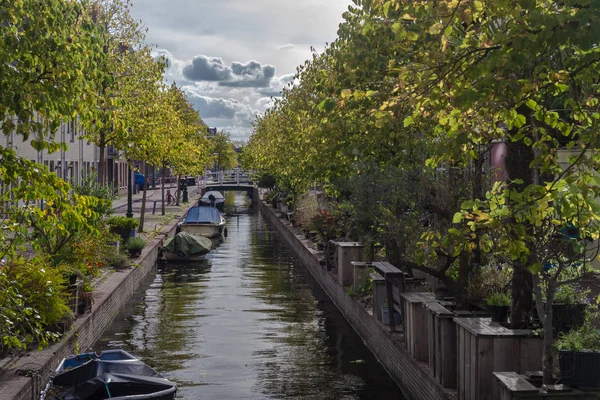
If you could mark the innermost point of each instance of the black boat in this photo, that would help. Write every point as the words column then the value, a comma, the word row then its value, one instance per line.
column 113, row 374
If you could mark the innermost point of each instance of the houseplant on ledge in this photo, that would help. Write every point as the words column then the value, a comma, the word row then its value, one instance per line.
column 134, row 246
column 498, row 304
column 570, row 303
column 122, row 226
column 579, row 356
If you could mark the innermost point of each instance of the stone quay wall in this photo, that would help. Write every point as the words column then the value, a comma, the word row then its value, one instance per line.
column 411, row 376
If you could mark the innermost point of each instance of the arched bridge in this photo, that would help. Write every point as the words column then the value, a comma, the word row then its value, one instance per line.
column 233, row 180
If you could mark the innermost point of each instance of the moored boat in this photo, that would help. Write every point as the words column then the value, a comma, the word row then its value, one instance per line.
column 213, row 198
column 186, row 247
column 113, row 374
column 203, row 221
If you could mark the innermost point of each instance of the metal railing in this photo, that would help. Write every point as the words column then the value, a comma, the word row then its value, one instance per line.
column 236, row 177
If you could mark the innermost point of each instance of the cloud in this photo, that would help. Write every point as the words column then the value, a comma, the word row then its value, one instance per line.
column 251, row 74
column 237, row 75
column 287, row 47
column 239, row 113
column 205, row 68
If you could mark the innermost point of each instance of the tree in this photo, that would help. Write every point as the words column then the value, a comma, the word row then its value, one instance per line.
column 126, row 62
column 450, row 79
column 48, row 64
column 223, row 150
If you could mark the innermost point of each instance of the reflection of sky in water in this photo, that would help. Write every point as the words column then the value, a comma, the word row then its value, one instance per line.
column 249, row 322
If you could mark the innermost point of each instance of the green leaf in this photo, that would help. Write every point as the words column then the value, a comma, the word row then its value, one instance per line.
column 457, row 218
column 327, row 105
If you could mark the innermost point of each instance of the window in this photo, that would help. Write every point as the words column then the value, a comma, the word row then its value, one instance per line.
column 72, row 130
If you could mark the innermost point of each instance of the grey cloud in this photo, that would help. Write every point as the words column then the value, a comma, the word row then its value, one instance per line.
column 214, row 108
column 213, row 69
column 205, row 68
column 240, row 113
column 251, row 74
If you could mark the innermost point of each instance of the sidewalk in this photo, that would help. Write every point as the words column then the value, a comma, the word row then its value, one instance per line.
column 152, row 195
column 153, row 222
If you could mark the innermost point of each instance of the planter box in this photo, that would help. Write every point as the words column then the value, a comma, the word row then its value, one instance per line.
column 416, row 326
column 379, row 295
column 579, row 368
column 346, row 253
column 443, row 340
column 361, row 272
column 442, row 344
column 485, row 347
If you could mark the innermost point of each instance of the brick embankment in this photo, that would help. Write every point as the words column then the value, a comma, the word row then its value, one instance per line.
column 411, row 376
column 110, row 295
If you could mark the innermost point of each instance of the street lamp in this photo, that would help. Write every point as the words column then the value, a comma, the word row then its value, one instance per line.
column 129, row 213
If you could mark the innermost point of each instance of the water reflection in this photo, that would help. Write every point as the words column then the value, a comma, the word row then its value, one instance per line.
column 248, row 323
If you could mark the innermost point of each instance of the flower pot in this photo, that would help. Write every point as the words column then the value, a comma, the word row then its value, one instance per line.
column 581, row 369
column 124, row 233
column 133, row 253
column 498, row 313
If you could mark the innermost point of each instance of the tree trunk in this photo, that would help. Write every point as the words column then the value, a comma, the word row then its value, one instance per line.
column 162, row 197
column 143, row 211
column 522, row 303
column 101, row 164
column 518, row 159
column 546, row 316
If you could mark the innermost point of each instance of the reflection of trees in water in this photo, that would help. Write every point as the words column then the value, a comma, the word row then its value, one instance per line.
column 164, row 332
column 301, row 364
column 315, row 353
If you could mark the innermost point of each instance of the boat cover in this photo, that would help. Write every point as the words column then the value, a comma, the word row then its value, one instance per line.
column 188, row 245
column 218, row 196
column 121, row 386
column 100, row 379
column 202, row 215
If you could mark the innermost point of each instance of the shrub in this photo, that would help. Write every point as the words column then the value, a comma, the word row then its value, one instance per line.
column 91, row 187
column 32, row 299
column 499, row 299
column 117, row 260
column 122, row 222
column 586, row 338
column 487, row 280
column 87, row 253
column 135, row 243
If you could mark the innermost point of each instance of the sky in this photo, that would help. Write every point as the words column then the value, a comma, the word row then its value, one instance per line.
column 232, row 56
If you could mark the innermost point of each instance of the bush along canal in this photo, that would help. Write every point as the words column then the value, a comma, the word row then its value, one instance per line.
column 249, row 322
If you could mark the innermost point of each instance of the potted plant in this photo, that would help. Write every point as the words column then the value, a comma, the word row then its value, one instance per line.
column 579, row 357
column 568, row 308
column 498, row 304
column 123, row 226
column 135, row 245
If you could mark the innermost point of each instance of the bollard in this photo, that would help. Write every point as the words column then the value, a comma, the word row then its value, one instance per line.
column 154, row 207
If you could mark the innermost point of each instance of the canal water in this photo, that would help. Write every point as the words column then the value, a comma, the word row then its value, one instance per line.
column 247, row 323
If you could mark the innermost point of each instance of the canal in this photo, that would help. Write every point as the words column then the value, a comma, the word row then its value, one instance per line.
column 247, row 323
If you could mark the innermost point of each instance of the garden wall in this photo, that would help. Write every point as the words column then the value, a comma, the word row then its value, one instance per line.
column 109, row 297
column 411, row 376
